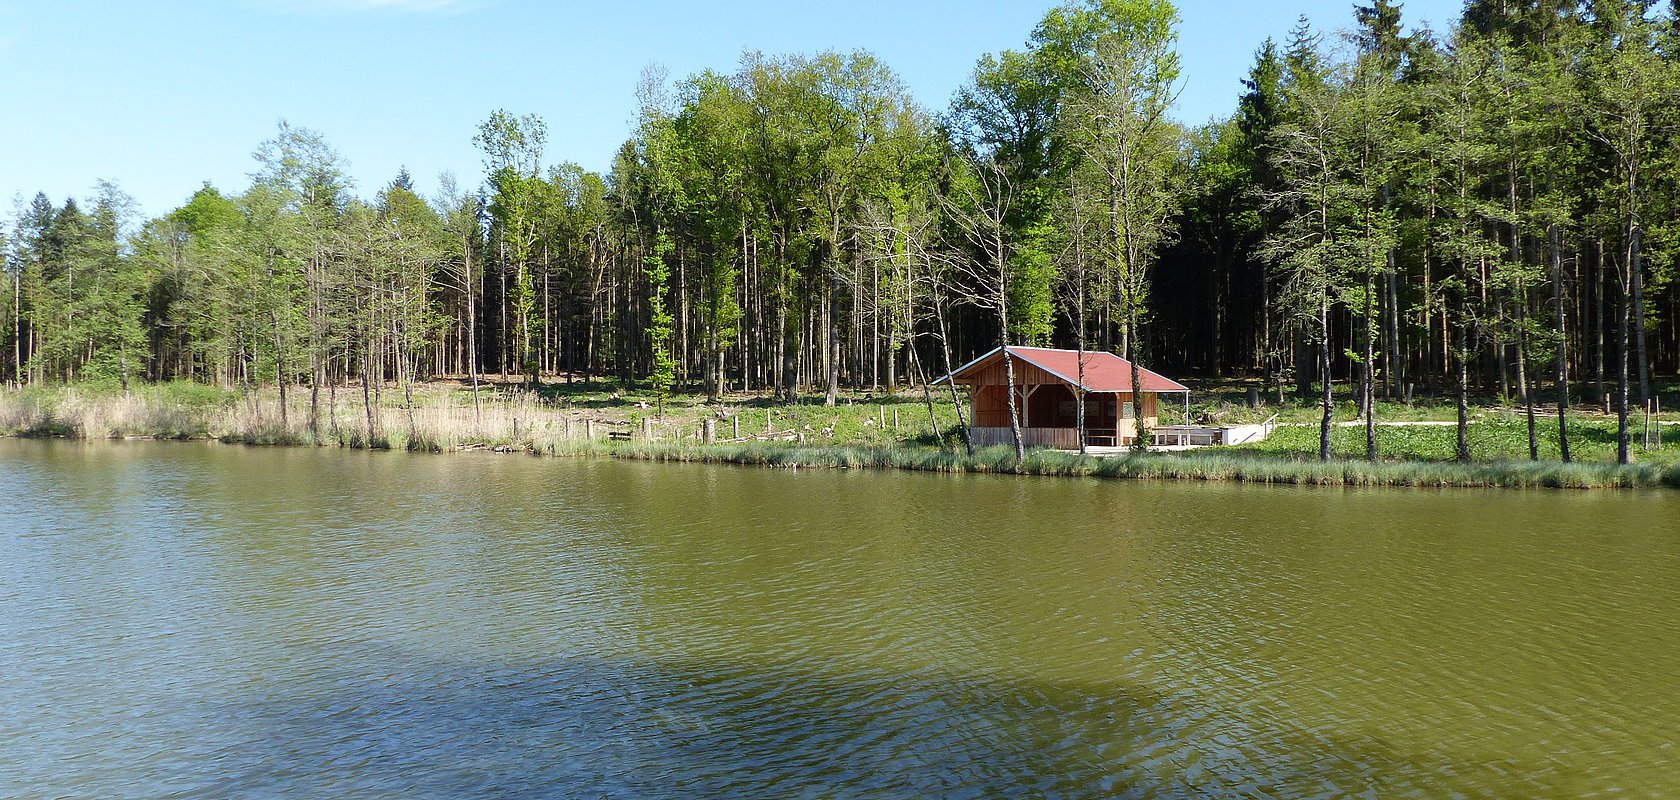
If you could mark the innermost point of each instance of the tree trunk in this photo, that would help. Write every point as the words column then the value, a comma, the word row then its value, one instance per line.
column 927, row 392
column 831, row 344
column 280, row 372
column 1560, row 375
column 1636, row 272
column 1326, row 398
column 1014, row 409
column 1600, row 305
column 1141, row 435
column 1523, row 393
column 367, row 398
column 1395, row 359
column 1369, row 398
column 1622, row 455
column 17, row 319
column 956, row 401
column 1079, row 391
column 1462, row 331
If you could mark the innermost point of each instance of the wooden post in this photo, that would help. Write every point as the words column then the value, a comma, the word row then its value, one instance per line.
column 708, row 430
column 767, row 427
column 589, row 429
column 647, row 429
column 735, row 424
column 1647, row 426
column 883, row 417
column 895, row 418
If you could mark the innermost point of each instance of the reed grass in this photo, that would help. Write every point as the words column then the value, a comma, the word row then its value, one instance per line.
column 1204, row 466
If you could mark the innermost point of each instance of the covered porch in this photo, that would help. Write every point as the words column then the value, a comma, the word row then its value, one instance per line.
column 1050, row 416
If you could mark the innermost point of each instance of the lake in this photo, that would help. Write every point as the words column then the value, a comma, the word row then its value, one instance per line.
column 197, row 620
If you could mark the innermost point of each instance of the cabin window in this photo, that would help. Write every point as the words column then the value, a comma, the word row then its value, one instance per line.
column 1126, row 410
column 1094, row 407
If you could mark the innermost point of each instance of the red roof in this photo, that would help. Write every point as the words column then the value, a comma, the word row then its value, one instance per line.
column 1104, row 372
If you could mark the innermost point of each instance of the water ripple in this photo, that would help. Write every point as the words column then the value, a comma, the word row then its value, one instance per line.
column 206, row 622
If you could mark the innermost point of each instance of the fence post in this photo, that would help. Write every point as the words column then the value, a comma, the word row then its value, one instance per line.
column 708, row 430
column 1647, row 425
column 647, row 429
column 735, row 422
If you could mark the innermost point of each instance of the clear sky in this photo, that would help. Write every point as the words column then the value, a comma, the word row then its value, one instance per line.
column 161, row 96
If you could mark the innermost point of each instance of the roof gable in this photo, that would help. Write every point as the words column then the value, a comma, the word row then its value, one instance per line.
column 1104, row 372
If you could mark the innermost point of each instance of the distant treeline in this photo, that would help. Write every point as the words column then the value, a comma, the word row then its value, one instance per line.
column 1490, row 206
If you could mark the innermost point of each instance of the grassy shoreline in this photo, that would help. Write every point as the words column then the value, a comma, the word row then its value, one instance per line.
column 524, row 424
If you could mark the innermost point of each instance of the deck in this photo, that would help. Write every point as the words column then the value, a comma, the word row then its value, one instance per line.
column 1167, row 438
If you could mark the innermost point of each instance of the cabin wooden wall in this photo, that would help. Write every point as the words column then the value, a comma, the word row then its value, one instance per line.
column 1058, row 438
column 990, row 408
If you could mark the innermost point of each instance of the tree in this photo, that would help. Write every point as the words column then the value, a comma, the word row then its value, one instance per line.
column 513, row 150
column 1630, row 88
column 292, row 210
column 1372, row 133
column 982, row 198
column 463, row 270
column 1456, row 132
column 1309, row 247
column 1117, row 125
column 660, row 322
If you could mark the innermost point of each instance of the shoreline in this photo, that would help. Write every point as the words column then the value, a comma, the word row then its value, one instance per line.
column 521, row 425
column 1196, row 466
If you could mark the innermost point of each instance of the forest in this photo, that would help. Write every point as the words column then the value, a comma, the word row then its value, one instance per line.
column 1387, row 212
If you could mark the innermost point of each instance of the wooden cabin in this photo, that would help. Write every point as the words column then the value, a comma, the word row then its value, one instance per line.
column 1047, row 387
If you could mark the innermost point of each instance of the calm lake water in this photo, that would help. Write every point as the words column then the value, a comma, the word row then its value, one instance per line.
column 195, row 620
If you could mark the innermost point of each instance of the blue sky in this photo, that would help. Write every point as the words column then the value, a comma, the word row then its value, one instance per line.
column 162, row 96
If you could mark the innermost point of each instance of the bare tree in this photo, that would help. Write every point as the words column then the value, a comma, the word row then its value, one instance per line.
column 979, row 205
column 1117, row 122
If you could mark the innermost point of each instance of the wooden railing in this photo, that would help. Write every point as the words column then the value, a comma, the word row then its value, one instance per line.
column 1186, row 436
column 1059, row 438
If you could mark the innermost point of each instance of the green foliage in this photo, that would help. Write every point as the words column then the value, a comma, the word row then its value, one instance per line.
column 1422, row 204
column 660, row 321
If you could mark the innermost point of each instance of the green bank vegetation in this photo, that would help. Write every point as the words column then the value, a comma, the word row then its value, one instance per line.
column 874, row 432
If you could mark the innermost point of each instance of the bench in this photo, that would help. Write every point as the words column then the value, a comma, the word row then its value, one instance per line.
column 1102, row 437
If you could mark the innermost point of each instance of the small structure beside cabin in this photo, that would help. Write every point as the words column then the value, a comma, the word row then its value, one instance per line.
column 1049, row 384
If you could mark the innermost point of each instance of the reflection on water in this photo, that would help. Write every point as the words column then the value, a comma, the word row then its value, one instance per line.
column 206, row 621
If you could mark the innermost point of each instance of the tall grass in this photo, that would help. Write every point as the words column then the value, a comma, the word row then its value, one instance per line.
column 151, row 413
column 1197, row 466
